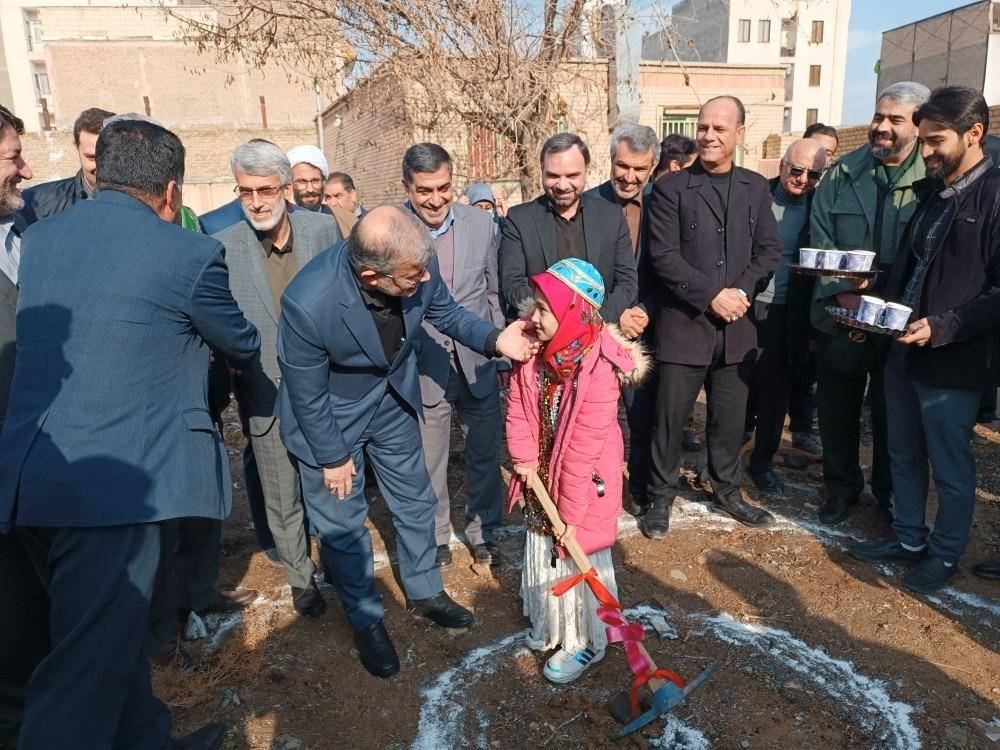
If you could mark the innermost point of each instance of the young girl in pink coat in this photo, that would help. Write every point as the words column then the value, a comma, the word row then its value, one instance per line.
column 562, row 422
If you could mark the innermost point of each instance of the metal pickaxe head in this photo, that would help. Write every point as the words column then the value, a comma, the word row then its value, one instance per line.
column 667, row 697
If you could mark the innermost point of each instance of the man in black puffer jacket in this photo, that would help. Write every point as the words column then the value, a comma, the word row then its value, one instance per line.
column 52, row 197
column 947, row 268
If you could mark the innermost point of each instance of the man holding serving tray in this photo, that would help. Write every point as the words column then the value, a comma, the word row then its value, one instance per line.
column 947, row 270
column 863, row 203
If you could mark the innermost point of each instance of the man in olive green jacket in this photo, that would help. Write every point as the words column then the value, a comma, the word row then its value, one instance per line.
column 863, row 203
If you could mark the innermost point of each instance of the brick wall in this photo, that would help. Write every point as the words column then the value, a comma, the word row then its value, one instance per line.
column 183, row 88
column 365, row 135
column 208, row 183
column 367, row 131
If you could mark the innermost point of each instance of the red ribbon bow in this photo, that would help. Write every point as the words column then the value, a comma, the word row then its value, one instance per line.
column 619, row 630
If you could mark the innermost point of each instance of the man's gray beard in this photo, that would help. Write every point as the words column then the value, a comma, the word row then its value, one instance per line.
column 880, row 152
column 266, row 226
column 9, row 203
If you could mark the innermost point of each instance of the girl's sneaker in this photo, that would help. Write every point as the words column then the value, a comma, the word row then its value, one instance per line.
column 565, row 666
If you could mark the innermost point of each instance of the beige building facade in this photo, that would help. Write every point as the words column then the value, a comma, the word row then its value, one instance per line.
column 807, row 37
column 59, row 58
column 366, row 132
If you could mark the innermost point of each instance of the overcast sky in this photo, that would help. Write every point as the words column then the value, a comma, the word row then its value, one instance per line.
column 869, row 18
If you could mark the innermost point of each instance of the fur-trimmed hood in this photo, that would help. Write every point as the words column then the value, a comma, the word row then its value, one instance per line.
column 633, row 350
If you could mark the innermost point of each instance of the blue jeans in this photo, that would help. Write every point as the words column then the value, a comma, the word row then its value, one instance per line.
column 930, row 425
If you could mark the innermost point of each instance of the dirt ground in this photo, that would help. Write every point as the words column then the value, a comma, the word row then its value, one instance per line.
column 823, row 651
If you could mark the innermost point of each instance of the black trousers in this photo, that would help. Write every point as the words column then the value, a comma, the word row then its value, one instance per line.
column 24, row 633
column 845, row 368
column 726, row 388
column 185, row 577
column 92, row 690
column 641, row 404
column 768, row 399
column 783, row 380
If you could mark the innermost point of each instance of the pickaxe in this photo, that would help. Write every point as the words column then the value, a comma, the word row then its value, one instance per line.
column 667, row 689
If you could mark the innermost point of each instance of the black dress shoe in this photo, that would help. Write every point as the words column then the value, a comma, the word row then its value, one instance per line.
column 656, row 522
column 443, row 610
column 442, row 558
column 889, row 550
column 929, row 575
column 990, row 570
column 308, row 601
column 766, row 481
column 486, row 554
column 734, row 505
column 209, row 737
column 640, row 507
column 835, row 510
column 375, row 648
column 690, row 441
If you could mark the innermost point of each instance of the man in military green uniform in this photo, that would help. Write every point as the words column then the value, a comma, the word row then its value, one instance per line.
column 863, row 203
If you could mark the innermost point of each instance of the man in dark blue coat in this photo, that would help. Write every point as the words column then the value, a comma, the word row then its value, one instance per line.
column 351, row 392
column 108, row 432
column 50, row 198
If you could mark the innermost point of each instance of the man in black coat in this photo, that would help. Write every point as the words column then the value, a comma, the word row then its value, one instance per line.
column 713, row 247
column 52, row 197
column 566, row 223
column 947, row 269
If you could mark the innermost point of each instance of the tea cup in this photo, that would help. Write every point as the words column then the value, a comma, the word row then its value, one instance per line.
column 871, row 310
column 896, row 316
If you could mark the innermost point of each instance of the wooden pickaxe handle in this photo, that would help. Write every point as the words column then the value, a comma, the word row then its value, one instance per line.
column 578, row 556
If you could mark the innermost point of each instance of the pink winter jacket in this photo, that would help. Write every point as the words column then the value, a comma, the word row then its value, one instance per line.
column 588, row 439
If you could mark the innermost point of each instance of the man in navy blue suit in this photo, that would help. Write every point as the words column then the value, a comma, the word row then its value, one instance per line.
column 108, row 432
column 351, row 392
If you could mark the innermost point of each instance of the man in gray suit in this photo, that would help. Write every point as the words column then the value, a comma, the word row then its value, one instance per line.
column 453, row 376
column 264, row 254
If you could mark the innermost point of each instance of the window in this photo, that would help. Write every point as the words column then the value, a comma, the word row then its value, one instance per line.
column 812, row 117
column 764, row 32
column 744, row 31
column 789, row 82
column 41, row 84
column 789, row 28
column 679, row 123
column 817, row 32
column 814, row 75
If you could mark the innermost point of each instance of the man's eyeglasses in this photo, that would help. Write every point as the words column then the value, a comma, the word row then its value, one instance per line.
column 267, row 192
column 814, row 174
column 315, row 182
column 407, row 284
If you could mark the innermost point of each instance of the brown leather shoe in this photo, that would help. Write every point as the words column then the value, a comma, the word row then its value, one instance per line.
column 228, row 602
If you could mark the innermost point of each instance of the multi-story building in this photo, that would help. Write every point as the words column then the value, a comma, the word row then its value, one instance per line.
column 960, row 47
column 807, row 37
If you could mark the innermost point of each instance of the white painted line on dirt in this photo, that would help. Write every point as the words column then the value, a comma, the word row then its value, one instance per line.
column 447, row 697
column 447, row 700
column 678, row 736
column 885, row 720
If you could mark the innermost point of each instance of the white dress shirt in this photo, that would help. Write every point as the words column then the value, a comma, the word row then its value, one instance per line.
column 10, row 249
